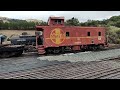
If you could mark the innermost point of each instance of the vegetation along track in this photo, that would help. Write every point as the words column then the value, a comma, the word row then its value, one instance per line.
column 104, row 69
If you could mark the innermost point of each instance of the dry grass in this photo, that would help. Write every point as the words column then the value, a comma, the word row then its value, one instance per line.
column 8, row 33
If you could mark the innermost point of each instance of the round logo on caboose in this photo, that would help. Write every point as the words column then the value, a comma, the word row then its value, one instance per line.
column 57, row 36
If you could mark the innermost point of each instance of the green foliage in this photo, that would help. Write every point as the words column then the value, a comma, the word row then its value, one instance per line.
column 72, row 22
column 43, row 23
column 115, row 18
column 113, row 21
column 24, row 25
column 113, row 34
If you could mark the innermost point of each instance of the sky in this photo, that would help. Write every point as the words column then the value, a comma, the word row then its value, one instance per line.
column 44, row 15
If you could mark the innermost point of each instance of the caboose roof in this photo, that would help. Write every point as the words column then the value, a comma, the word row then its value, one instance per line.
column 38, row 26
column 56, row 17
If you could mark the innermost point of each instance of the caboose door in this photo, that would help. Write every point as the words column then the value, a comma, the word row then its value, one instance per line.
column 39, row 37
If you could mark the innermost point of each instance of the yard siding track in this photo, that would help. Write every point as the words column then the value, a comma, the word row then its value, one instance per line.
column 106, row 69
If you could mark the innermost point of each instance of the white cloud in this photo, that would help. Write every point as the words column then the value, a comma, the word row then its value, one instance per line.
column 43, row 15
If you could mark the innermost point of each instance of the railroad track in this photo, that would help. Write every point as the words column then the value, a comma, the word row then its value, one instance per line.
column 35, row 52
column 105, row 69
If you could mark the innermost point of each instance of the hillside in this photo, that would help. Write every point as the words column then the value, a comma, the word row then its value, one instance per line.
column 17, row 24
column 113, row 21
column 6, row 19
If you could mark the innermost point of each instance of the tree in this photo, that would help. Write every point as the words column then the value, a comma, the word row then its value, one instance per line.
column 117, row 23
column 1, row 24
column 72, row 22
column 114, row 18
column 42, row 23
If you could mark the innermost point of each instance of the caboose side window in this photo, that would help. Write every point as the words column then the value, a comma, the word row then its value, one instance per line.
column 67, row 34
column 88, row 33
column 99, row 33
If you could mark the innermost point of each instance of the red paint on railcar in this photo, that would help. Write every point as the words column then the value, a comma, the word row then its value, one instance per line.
column 57, row 36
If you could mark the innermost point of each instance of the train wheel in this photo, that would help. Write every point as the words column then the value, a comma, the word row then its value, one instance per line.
column 94, row 48
column 17, row 54
column 56, row 51
column 48, row 51
column 62, row 50
column 101, row 47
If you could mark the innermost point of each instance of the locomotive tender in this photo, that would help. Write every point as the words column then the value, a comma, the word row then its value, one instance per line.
column 23, row 40
column 58, row 38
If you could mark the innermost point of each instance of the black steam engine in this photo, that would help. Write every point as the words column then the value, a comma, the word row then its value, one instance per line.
column 23, row 40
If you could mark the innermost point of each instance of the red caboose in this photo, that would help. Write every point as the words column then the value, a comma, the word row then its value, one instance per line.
column 56, row 37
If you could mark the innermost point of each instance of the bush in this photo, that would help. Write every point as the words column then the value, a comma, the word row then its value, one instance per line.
column 118, row 41
column 24, row 33
column 113, row 35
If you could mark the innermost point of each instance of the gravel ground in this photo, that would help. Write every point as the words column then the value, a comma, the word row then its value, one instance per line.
column 83, row 56
column 33, row 60
column 22, row 63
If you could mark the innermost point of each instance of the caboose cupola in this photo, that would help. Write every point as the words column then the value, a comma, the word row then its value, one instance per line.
column 56, row 21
